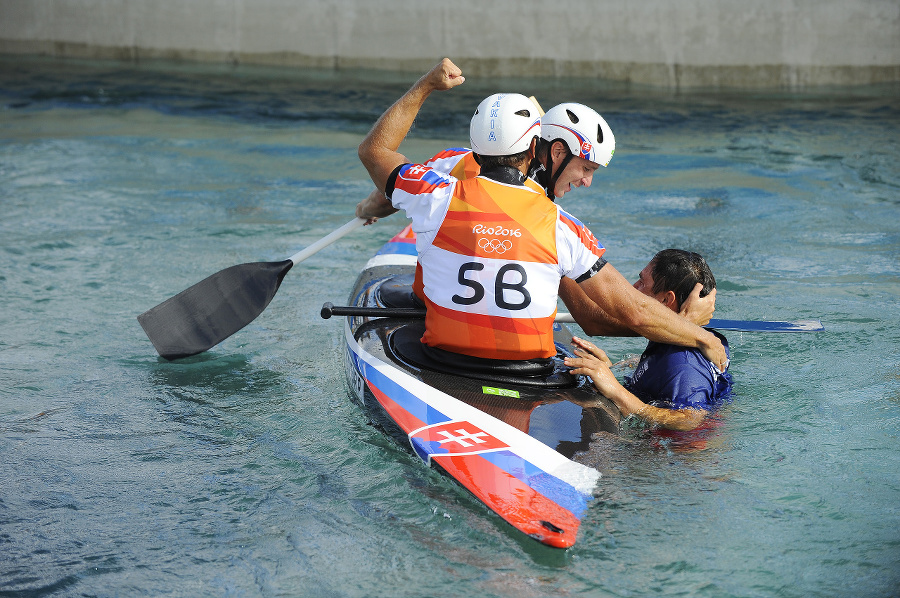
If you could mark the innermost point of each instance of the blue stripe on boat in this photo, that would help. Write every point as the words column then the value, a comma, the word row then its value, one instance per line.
column 560, row 492
column 393, row 247
column 405, row 399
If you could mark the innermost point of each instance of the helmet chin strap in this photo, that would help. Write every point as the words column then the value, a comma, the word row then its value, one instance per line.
column 547, row 177
column 536, row 171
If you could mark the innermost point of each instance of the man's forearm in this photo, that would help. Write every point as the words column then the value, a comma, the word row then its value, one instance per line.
column 376, row 205
column 378, row 151
column 640, row 313
column 648, row 317
column 673, row 419
column 391, row 128
column 592, row 319
column 379, row 148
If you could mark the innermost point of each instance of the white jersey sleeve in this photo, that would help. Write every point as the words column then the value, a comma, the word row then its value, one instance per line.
column 580, row 254
column 424, row 194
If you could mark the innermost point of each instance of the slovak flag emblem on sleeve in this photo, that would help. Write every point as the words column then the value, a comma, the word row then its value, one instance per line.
column 455, row 437
column 414, row 172
column 419, row 179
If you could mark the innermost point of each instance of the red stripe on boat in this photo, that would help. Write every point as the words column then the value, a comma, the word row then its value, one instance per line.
column 520, row 505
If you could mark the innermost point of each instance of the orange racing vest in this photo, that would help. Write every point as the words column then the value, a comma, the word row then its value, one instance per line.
column 491, row 275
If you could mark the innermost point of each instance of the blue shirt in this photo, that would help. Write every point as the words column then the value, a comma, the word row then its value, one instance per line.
column 674, row 377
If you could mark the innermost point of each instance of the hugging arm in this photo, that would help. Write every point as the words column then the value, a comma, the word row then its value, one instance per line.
column 597, row 322
column 594, row 363
column 648, row 317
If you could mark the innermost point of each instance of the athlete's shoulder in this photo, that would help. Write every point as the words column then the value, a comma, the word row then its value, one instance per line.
column 675, row 356
column 450, row 153
column 457, row 161
column 536, row 187
column 569, row 218
column 571, row 225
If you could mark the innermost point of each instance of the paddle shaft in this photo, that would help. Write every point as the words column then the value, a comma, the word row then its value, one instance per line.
column 329, row 310
column 327, row 240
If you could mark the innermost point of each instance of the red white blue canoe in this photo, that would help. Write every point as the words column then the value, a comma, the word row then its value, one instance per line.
column 507, row 437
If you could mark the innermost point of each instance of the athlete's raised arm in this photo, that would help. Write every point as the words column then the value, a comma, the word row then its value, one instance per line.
column 378, row 151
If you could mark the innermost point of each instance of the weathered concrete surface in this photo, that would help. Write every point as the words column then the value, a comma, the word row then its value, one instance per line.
column 683, row 43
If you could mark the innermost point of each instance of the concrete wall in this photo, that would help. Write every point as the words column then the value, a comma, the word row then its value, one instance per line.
column 670, row 43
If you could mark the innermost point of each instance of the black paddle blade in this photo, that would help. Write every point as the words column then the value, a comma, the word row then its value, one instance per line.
column 213, row 309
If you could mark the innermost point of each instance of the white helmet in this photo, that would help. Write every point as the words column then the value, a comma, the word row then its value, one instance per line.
column 504, row 124
column 582, row 129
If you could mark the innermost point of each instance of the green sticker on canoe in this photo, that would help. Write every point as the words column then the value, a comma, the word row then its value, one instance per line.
column 503, row 392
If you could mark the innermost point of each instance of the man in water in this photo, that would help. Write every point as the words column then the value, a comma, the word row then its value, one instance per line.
column 672, row 387
column 492, row 249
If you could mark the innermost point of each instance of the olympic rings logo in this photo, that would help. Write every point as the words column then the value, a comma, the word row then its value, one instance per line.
column 495, row 245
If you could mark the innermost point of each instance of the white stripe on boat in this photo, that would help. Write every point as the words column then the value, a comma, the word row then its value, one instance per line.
column 391, row 259
column 583, row 478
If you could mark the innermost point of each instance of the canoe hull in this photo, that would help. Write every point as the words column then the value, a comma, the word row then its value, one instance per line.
column 509, row 444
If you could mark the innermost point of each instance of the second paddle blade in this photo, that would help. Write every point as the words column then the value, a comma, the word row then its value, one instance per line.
column 763, row 326
column 207, row 313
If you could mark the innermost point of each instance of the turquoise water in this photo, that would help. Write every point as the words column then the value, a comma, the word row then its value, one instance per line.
column 246, row 471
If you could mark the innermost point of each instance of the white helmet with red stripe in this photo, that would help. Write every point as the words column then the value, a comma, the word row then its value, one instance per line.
column 504, row 124
column 583, row 130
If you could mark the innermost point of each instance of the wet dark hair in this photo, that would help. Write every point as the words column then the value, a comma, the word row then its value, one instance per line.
column 491, row 162
column 679, row 271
